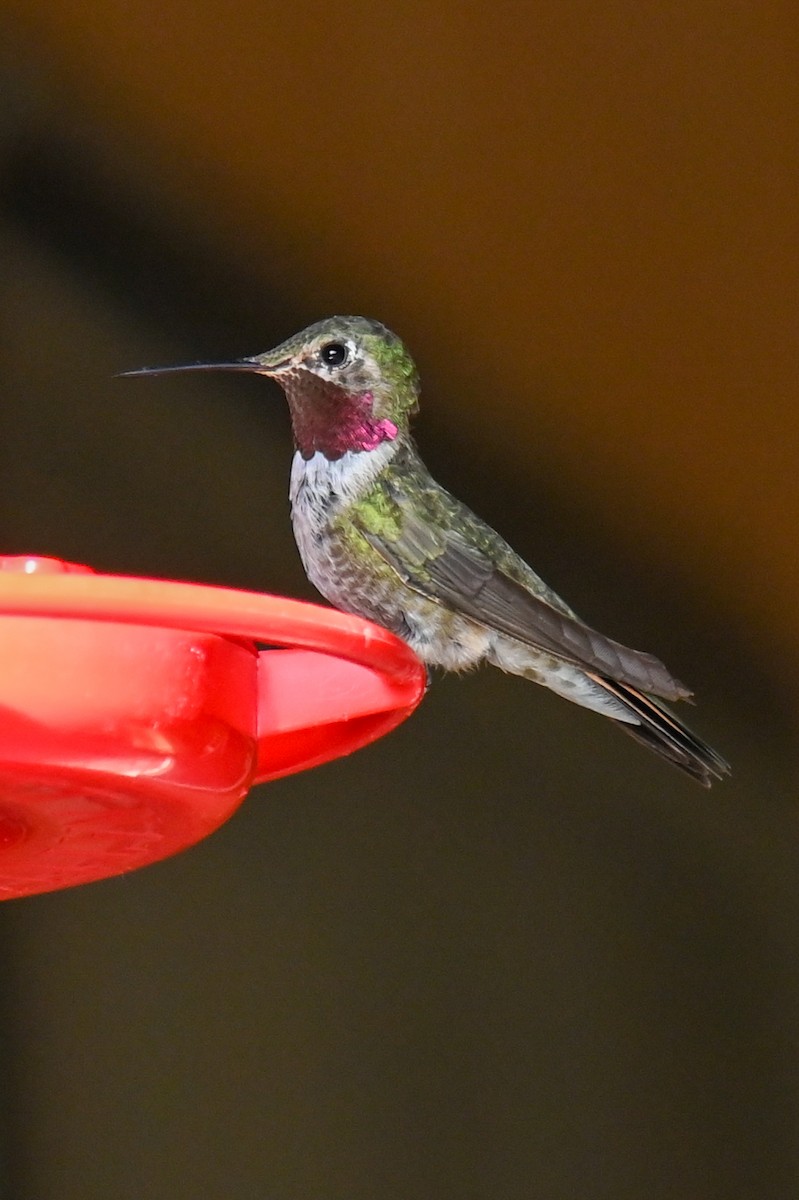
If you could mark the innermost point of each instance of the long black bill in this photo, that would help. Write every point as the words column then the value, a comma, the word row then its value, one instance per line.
column 242, row 365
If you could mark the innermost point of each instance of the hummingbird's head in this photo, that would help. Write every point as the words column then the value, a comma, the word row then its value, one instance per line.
column 350, row 384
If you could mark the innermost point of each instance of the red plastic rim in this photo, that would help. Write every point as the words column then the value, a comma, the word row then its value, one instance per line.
column 259, row 617
column 137, row 713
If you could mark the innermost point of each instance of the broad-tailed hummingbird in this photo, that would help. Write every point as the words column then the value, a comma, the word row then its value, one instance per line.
column 379, row 537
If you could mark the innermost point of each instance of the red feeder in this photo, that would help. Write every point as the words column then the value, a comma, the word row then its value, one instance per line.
column 136, row 714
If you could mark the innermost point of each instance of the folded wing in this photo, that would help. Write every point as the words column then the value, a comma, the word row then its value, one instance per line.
column 467, row 567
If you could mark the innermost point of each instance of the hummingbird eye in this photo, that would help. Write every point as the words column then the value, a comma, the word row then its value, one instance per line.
column 333, row 354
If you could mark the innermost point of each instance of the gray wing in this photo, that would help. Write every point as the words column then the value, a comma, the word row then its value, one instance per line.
column 470, row 569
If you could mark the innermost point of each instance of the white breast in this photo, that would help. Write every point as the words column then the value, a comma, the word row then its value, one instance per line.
column 319, row 488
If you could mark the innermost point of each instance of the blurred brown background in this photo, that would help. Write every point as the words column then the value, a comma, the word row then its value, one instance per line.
column 503, row 953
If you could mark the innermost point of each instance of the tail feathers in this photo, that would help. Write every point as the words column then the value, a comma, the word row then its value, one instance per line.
column 662, row 732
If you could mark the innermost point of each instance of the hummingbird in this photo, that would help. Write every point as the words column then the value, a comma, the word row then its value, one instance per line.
column 379, row 537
